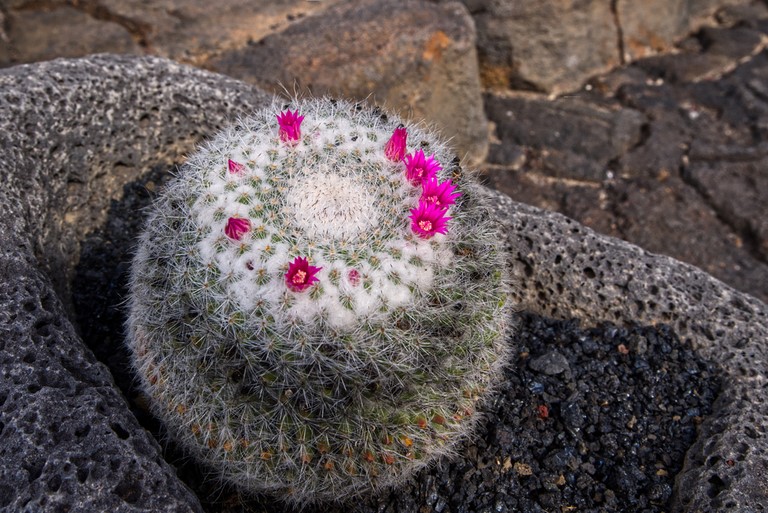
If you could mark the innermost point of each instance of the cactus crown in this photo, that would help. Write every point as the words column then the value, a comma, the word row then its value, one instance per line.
column 311, row 313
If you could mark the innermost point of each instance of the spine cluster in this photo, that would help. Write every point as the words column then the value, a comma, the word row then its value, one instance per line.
column 316, row 310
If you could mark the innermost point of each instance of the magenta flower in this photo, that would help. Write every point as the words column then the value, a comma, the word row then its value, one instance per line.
column 419, row 168
column 237, row 227
column 395, row 148
column 290, row 126
column 235, row 168
column 301, row 275
column 437, row 193
column 428, row 219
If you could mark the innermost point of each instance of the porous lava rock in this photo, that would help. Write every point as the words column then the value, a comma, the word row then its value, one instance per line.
column 72, row 133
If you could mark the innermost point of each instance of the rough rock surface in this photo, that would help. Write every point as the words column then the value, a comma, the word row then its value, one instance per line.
column 549, row 45
column 655, row 25
column 188, row 31
column 675, row 159
column 554, row 46
column 68, row 441
column 546, row 46
column 72, row 133
column 53, row 147
column 414, row 57
column 69, row 32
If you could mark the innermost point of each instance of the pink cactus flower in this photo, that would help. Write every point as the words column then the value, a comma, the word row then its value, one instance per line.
column 235, row 168
column 419, row 168
column 354, row 277
column 437, row 193
column 290, row 126
column 395, row 148
column 237, row 227
column 428, row 219
column 301, row 275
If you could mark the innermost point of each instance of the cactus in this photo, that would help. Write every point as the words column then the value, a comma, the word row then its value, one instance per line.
column 314, row 313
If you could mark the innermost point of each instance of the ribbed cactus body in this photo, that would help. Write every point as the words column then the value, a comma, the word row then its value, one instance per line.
column 366, row 373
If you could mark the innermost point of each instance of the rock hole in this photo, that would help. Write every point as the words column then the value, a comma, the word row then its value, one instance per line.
column 42, row 328
column 128, row 489
column 6, row 495
column 54, row 483
column 120, row 431
column 34, row 470
column 589, row 273
column 718, row 485
column 82, row 431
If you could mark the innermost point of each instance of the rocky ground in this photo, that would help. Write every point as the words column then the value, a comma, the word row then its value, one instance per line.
column 646, row 121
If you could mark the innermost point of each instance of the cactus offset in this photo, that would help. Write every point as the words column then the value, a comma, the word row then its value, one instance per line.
column 306, row 323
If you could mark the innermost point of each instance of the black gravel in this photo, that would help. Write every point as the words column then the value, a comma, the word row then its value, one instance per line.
column 586, row 420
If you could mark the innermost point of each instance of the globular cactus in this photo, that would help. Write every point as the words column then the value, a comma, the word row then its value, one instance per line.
column 315, row 312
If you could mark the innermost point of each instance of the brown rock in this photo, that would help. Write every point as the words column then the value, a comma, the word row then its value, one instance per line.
column 189, row 31
column 653, row 26
column 415, row 57
column 194, row 30
column 547, row 45
column 61, row 32
column 725, row 49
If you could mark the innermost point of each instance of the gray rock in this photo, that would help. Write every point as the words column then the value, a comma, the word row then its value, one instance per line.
column 55, row 144
column 68, row 441
column 551, row 364
column 560, row 127
column 554, row 46
column 655, row 154
column 71, row 134
column 738, row 190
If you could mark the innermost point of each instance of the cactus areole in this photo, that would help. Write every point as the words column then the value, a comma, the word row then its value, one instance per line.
column 316, row 309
